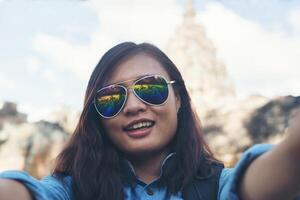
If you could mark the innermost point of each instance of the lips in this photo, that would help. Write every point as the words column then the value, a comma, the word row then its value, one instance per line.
column 139, row 128
column 139, row 133
column 138, row 124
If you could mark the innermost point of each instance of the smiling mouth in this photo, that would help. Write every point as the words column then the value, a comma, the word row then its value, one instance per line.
column 139, row 126
column 139, row 130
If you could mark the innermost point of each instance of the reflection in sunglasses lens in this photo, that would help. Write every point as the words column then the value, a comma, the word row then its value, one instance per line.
column 152, row 90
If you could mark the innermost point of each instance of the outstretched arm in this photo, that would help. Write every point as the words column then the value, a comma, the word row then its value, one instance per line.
column 276, row 174
column 13, row 190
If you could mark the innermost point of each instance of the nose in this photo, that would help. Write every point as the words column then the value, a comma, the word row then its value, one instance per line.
column 133, row 105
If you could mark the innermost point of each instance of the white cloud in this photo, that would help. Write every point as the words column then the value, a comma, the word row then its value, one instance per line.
column 293, row 86
column 259, row 60
column 49, row 75
column 294, row 19
column 65, row 56
column 33, row 65
column 139, row 21
column 6, row 83
column 267, row 60
column 34, row 112
column 58, row 94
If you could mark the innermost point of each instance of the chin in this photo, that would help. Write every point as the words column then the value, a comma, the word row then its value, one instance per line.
column 144, row 150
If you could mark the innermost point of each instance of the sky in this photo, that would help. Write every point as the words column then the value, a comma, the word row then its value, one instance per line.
column 48, row 49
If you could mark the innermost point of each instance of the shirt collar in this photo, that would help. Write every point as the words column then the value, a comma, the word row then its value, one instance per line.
column 129, row 174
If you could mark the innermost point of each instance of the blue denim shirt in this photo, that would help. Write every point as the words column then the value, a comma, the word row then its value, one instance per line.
column 50, row 188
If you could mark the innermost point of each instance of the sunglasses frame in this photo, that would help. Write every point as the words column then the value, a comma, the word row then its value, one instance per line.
column 130, row 87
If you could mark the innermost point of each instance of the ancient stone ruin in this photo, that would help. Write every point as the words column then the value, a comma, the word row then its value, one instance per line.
column 195, row 55
column 28, row 146
column 231, row 125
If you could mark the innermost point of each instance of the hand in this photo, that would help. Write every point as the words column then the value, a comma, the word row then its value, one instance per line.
column 294, row 123
column 292, row 141
column 282, row 163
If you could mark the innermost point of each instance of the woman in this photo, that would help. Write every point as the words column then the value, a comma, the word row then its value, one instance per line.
column 138, row 138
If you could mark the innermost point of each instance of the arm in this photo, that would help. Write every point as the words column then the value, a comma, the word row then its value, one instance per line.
column 47, row 188
column 13, row 190
column 276, row 174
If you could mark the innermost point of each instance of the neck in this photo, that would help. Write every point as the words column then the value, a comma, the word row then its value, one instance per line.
column 147, row 168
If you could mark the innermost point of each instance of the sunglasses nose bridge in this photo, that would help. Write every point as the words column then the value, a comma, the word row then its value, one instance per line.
column 133, row 103
column 130, row 89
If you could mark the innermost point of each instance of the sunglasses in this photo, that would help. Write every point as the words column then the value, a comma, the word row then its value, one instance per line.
column 151, row 89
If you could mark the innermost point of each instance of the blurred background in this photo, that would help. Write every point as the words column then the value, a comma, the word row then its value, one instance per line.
column 240, row 61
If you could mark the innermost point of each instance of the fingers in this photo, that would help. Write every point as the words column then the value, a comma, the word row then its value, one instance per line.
column 294, row 122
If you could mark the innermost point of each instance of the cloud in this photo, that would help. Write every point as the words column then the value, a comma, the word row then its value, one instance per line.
column 294, row 19
column 6, row 83
column 35, row 112
column 33, row 65
column 50, row 75
column 139, row 21
column 65, row 56
column 259, row 60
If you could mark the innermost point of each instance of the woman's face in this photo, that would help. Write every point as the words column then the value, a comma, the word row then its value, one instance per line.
column 154, row 139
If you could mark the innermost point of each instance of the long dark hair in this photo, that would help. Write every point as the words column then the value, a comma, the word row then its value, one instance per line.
column 92, row 161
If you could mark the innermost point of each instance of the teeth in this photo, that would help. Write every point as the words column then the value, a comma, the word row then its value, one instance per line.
column 140, row 125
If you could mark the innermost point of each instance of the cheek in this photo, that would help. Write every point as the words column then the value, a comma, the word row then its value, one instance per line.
column 171, row 109
column 172, row 115
column 168, row 119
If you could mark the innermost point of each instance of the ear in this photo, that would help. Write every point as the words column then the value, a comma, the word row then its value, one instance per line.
column 178, row 101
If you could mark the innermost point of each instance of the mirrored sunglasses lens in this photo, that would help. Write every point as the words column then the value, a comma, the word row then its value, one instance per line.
column 153, row 90
column 110, row 100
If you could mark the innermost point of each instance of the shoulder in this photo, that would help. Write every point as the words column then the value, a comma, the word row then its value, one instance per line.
column 229, row 178
column 50, row 187
column 206, row 183
column 62, row 187
column 209, row 170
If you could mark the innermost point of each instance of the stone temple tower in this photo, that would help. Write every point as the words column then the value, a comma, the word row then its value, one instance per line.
column 195, row 55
